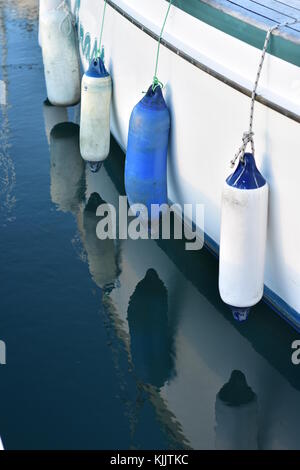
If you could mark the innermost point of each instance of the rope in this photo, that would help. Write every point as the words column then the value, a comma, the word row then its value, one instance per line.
column 102, row 27
column 64, row 6
column 248, row 135
column 156, row 82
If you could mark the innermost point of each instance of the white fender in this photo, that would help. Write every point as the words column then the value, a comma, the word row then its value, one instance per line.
column 95, row 113
column 243, row 236
column 44, row 7
column 61, row 57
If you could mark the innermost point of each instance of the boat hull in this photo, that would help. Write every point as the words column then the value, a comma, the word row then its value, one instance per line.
column 207, row 90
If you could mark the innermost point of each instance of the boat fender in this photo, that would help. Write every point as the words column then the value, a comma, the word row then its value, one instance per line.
column 147, row 150
column 95, row 114
column 243, row 238
column 44, row 7
column 61, row 57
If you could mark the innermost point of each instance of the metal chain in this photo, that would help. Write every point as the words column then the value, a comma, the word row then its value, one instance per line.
column 248, row 135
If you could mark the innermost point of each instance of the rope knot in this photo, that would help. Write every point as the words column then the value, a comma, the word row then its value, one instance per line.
column 156, row 83
column 247, row 139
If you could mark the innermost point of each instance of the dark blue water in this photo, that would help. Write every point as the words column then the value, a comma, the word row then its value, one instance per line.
column 115, row 345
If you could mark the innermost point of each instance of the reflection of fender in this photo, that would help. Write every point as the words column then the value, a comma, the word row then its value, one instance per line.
column 236, row 415
column 101, row 253
column 53, row 115
column 67, row 167
column 151, row 344
column 1, row 444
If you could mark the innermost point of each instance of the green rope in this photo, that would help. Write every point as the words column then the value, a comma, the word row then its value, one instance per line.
column 99, row 53
column 156, row 82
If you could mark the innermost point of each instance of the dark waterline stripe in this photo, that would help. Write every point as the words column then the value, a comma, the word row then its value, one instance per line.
column 276, row 303
column 260, row 99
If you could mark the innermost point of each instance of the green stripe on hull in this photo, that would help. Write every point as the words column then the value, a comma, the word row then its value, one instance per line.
column 240, row 29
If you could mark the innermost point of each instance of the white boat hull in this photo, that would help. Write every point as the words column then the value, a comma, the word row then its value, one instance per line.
column 208, row 119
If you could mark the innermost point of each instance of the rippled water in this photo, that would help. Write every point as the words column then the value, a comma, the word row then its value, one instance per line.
column 114, row 345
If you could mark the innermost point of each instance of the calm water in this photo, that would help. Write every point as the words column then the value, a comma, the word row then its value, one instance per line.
column 115, row 345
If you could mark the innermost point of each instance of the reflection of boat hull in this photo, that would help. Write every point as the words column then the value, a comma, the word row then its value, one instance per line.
column 207, row 348
column 204, row 347
column 236, row 428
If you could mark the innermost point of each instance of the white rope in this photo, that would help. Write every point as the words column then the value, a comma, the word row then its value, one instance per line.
column 248, row 135
column 65, row 7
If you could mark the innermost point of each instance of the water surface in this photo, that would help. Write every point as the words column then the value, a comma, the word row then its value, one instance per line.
column 114, row 345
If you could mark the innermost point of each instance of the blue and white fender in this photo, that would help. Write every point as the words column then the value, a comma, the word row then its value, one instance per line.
column 95, row 113
column 243, row 238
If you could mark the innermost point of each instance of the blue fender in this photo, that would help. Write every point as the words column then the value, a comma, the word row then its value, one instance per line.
column 147, row 151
